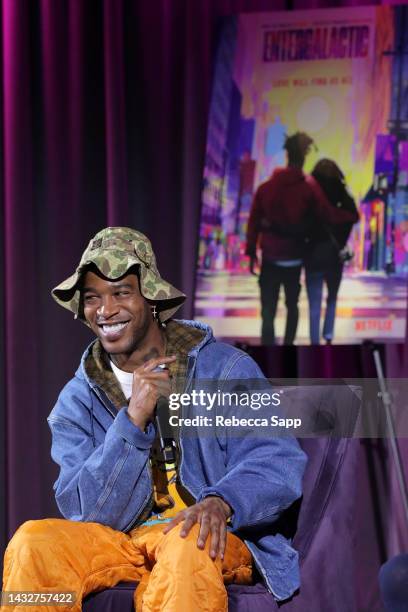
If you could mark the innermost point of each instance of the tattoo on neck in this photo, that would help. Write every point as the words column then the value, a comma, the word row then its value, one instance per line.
column 152, row 354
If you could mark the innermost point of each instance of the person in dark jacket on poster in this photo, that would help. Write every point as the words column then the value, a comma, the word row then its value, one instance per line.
column 327, row 253
column 282, row 210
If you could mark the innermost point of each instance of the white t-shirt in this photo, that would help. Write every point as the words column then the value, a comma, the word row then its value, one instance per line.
column 125, row 380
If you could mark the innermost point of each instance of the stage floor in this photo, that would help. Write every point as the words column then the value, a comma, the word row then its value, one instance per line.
column 369, row 306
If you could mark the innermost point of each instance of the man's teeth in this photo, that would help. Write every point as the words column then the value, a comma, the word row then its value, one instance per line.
column 112, row 329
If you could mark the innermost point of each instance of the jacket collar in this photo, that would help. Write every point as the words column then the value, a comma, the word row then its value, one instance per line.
column 207, row 338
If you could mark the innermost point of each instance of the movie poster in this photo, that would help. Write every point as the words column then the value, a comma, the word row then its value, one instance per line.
column 339, row 75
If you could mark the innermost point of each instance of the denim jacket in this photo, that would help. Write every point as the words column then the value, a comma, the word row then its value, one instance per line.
column 104, row 464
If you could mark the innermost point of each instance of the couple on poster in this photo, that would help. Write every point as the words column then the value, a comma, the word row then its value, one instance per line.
column 300, row 220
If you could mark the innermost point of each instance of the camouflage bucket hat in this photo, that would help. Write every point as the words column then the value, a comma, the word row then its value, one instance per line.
column 114, row 250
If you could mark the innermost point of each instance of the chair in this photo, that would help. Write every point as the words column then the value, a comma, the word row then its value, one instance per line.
column 393, row 579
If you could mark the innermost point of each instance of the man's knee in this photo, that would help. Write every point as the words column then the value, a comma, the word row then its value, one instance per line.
column 291, row 300
column 192, row 535
column 40, row 534
column 33, row 536
column 31, row 531
column 29, row 542
column 184, row 547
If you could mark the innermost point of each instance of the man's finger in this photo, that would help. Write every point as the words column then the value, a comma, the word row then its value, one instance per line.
column 204, row 530
column 215, row 538
column 161, row 387
column 223, row 540
column 253, row 262
column 188, row 523
column 153, row 376
column 174, row 522
column 153, row 363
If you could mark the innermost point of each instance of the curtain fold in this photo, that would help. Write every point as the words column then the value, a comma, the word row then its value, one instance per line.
column 116, row 133
column 21, row 310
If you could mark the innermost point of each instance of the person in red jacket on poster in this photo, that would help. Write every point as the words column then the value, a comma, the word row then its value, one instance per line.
column 283, row 210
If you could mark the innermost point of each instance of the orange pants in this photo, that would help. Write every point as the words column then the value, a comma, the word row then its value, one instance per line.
column 57, row 555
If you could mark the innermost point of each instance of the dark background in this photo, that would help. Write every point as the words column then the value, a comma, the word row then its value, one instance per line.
column 104, row 108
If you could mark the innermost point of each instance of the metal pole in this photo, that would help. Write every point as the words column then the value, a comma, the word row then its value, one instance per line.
column 387, row 403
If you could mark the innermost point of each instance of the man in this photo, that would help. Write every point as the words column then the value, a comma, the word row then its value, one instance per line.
column 283, row 210
column 131, row 512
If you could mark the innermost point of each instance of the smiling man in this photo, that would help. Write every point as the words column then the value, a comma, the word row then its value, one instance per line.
column 172, row 519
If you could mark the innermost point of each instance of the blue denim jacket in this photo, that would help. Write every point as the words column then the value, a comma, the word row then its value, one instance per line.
column 104, row 464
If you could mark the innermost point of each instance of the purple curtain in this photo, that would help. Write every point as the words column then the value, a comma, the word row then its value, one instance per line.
column 104, row 114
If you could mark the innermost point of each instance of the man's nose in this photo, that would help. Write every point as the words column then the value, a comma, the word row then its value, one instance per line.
column 108, row 308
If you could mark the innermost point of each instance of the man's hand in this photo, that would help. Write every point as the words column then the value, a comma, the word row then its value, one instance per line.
column 147, row 387
column 253, row 261
column 211, row 514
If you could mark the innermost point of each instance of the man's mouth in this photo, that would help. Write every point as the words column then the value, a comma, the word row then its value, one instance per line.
column 113, row 331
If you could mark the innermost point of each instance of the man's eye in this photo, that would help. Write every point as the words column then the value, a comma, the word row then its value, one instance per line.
column 122, row 293
column 89, row 298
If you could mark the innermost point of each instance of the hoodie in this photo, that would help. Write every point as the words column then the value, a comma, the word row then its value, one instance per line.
column 284, row 209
